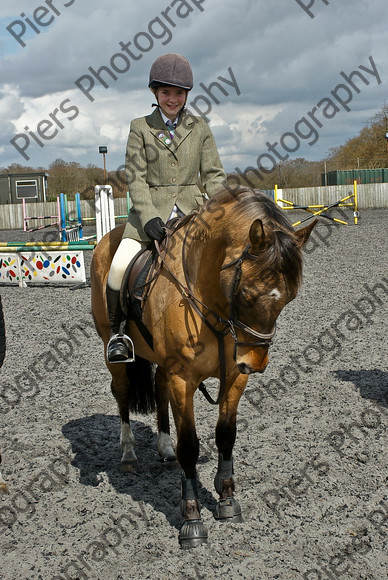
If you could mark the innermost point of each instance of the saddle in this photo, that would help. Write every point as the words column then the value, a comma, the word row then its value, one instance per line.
column 141, row 270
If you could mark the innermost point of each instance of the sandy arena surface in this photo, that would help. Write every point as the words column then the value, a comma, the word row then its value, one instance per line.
column 310, row 458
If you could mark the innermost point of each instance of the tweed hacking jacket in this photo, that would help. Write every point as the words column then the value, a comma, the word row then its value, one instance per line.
column 162, row 171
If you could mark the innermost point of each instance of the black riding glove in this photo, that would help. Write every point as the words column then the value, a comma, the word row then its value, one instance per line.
column 155, row 229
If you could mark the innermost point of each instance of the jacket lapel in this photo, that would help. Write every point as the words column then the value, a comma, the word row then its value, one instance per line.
column 184, row 128
column 155, row 120
column 160, row 131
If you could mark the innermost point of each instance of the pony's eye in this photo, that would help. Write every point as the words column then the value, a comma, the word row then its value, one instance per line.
column 248, row 294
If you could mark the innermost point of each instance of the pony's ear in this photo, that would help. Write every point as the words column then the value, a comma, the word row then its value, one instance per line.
column 257, row 236
column 304, row 233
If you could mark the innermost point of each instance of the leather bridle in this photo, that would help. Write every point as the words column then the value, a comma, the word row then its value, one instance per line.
column 264, row 338
column 228, row 325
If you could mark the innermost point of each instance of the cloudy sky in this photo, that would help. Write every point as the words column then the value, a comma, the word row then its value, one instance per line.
column 278, row 66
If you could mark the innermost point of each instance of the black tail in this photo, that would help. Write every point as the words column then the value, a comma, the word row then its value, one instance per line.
column 141, row 386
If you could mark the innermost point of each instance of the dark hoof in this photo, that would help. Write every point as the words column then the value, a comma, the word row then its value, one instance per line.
column 228, row 509
column 169, row 461
column 193, row 533
column 130, row 466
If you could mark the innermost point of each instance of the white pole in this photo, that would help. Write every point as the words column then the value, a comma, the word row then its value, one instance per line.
column 105, row 213
column 104, row 210
column 111, row 207
column 97, row 205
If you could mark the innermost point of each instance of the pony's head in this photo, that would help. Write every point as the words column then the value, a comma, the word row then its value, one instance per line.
column 263, row 276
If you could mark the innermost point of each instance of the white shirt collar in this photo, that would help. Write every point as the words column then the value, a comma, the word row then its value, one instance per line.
column 165, row 119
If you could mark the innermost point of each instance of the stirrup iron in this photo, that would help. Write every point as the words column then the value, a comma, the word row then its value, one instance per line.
column 128, row 342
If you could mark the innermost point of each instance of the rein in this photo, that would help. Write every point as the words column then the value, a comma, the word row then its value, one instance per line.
column 230, row 324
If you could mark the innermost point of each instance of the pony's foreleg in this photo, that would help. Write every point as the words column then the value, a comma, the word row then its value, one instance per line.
column 165, row 444
column 193, row 532
column 120, row 390
column 228, row 507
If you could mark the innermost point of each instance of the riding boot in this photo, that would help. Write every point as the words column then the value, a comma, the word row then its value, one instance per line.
column 118, row 349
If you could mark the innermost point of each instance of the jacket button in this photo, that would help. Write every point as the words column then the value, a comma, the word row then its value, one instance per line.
column 173, row 179
column 173, row 164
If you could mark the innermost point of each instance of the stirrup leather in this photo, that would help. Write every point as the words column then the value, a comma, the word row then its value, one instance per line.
column 128, row 342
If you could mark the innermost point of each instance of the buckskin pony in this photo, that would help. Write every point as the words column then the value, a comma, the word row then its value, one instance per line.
column 228, row 270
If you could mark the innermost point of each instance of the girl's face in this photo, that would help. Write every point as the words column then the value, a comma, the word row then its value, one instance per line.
column 171, row 100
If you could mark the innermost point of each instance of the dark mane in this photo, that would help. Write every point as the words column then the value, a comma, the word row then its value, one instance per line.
column 283, row 254
column 252, row 203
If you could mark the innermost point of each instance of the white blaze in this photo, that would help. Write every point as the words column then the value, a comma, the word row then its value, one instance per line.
column 275, row 294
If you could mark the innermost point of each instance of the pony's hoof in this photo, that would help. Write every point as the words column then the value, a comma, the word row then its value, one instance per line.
column 130, row 466
column 169, row 465
column 168, row 460
column 192, row 534
column 228, row 509
column 165, row 448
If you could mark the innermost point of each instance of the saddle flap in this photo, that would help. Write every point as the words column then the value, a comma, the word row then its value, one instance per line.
column 135, row 277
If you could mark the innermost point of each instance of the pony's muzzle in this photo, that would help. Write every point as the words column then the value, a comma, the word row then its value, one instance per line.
column 246, row 369
column 254, row 362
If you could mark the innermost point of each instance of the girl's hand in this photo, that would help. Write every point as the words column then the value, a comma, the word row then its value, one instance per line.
column 155, row 229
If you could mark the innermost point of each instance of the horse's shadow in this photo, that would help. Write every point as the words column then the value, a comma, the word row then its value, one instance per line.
column 372, row 384
column 95, row 443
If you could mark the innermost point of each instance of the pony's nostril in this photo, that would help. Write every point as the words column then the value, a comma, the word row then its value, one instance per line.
column 244, row 369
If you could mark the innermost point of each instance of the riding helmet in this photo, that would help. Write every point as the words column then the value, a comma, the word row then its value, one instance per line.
column 171, row 69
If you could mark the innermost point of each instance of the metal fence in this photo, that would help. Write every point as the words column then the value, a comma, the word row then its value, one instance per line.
column 11, row 215
column 370, row 195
